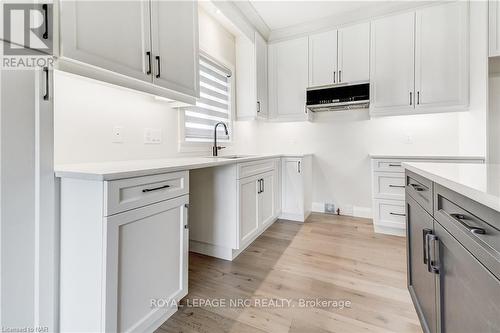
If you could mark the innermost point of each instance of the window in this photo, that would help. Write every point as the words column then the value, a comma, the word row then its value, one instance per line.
column 214, row 104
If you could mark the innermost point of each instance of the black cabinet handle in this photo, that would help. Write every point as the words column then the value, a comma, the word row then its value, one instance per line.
column 402, row 186
column 425, row 232
column 155, row 188
column 149, row 63
column 475, row 230
column 394, row 165
column 418, row 97
column 397, row 214
column 46, row 21
column 411, row 99
column 298, row 166
column 418, row 188
column 46, row 96
column 258, row 106
column 158, row 64
column 334, row 72
column 431, row 262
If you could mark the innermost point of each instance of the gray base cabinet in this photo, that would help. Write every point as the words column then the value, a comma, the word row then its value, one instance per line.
column 453, row 252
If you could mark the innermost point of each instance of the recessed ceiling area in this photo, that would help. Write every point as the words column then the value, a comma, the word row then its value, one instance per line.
column 283, row 14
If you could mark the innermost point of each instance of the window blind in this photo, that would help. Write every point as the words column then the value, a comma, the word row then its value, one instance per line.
column 214, row 104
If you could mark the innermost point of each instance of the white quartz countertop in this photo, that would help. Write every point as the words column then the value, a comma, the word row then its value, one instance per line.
column 479, row 182
column 426, row 157
column 137, row 168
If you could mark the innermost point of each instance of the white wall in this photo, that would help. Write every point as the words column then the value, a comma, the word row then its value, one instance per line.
column 86, row 111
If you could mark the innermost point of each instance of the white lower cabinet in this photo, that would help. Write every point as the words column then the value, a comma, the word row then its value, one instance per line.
column 296, row 188
column 124, row 272
column 232, row 205
column 388, row 190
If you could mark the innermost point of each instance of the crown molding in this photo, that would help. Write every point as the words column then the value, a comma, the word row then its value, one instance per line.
column 249, row 11
column 337, row 21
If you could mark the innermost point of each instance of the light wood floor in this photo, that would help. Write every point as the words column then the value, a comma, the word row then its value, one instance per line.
column 328, row 257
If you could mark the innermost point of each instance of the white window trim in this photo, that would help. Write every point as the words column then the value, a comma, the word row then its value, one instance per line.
column 189, row 146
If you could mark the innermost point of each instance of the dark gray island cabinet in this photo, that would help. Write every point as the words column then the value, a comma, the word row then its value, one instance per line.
column 453, row 254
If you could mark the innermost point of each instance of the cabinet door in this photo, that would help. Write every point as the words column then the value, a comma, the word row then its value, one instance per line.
column 114, row 35
column 266, row 199
column 293, row 188
column 174, row 26
column 288, row 78
column 421, row 283
column 323, row 58
column 392, row 65
column 441, row 57
column 248, row 208
column 469, row 297
column 354, row 53
column 146, row 259
column 261, row 75
column 494, row 29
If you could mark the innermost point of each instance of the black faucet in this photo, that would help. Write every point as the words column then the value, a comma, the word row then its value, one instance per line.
column 215, row 148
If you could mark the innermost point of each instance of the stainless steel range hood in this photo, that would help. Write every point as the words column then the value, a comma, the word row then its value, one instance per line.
column 339, row 97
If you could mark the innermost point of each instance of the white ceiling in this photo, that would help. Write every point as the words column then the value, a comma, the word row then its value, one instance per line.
column 283, row 14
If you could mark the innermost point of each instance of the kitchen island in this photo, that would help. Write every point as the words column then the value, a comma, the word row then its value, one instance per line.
column 453, row 245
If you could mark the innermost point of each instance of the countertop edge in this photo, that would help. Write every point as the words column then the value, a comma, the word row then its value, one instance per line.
column 98, row 176
column 485, row 199
column 426, row 157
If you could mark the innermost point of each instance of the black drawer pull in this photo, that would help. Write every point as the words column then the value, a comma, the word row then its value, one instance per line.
column 418, row 188
column 155, row 188
column 395, row 165
column 475, row 230
column 397, row 214
column 402, row 186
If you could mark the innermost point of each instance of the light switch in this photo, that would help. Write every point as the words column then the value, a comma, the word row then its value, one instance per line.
column 117, row 134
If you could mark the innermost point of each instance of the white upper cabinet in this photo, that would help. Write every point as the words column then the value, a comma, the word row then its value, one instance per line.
column 494, row 21
column 174, row 26
column 392, row 64
column 323, row 58
column 155, row 42
column 419, row 61
column 441, row 56
column 354, row 53
column 261, row 75
column 288, row 78
column 108, row 34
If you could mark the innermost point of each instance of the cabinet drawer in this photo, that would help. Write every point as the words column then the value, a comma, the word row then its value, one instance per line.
column 256, row 167
column 387, row 166
column 130, row 193
column 471, row 224
column 389, row 185
column 419, row 189
column 390, row 213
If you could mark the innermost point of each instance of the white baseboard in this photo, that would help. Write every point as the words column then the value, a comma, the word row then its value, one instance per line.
column 357, row 211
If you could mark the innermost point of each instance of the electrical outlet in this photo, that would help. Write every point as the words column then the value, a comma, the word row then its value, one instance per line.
column 117, row 134
column 346, row 210
column 329, row 208
column 152, row 136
